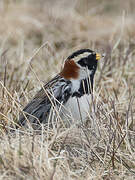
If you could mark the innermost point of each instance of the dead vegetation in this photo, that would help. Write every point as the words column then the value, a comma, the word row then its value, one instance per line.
column 35, row 37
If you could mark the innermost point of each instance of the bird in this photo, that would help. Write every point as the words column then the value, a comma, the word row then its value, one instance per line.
column 67, row 95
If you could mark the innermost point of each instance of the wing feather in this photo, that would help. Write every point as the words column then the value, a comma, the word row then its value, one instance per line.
column 55, row 92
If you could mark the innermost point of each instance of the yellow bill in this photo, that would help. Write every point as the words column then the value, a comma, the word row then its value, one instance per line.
column 98, row 56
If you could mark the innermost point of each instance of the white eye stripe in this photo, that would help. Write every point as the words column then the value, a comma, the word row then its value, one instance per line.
column 94, row 53
column 83, row 55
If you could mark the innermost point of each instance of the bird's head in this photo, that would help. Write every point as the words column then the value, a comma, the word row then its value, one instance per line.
column 81, row 65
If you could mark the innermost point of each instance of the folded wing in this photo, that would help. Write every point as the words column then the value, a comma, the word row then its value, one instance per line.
column 54, row 94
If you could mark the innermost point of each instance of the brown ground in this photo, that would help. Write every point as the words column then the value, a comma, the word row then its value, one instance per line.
column 58, row 28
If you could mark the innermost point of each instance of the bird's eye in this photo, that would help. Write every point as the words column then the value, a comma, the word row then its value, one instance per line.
column 85, row 61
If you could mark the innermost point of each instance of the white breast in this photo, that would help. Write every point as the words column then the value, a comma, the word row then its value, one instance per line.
column 78, row 108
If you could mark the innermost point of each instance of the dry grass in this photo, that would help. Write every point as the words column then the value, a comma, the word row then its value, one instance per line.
column 104, row 152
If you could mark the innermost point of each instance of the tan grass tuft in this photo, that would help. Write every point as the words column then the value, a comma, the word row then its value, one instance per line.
column 35, row 38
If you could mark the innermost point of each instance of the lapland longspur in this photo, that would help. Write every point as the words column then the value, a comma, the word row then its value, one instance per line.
column 67, row 95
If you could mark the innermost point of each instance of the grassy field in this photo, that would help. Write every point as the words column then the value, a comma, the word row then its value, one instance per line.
column 35, row 38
